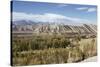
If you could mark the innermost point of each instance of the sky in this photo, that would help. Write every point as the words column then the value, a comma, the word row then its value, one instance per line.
column 54, row 12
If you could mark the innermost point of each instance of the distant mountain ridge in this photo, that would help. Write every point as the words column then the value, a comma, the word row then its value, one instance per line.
column 24, row 22
column 54, row 21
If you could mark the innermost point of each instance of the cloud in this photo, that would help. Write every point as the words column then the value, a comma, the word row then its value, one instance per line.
column 91, row 9
column 47, row 17
column 82, row 8
column 87, row 9
column 37, row 17
column 62, row 5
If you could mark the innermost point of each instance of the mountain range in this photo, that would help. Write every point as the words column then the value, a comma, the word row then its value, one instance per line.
column 54, row 27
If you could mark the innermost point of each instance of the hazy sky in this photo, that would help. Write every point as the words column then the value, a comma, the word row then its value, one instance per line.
column 39, row 11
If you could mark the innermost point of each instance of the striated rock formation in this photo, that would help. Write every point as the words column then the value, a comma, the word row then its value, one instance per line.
column 85, row 29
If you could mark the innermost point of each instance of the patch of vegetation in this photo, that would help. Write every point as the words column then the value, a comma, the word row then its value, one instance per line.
column 51, row 49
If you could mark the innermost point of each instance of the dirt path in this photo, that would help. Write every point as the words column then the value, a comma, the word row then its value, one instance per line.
column 91, row 59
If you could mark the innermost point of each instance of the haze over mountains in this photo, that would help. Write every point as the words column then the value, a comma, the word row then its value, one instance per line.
column 56, row 21
column 47, row 18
